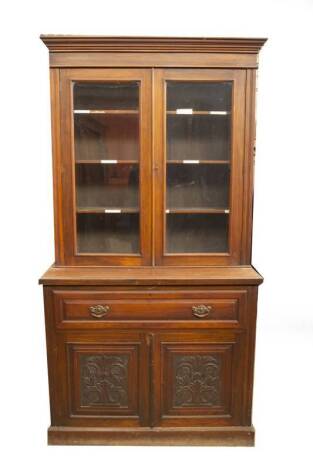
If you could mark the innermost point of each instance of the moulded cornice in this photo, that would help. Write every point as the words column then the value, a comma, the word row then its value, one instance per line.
column 65, row 43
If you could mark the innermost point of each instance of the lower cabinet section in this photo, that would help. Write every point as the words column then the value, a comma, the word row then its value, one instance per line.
column 149, row 378
column 151, row 382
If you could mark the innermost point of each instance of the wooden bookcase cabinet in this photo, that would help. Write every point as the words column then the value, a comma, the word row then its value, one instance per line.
column 151, row 303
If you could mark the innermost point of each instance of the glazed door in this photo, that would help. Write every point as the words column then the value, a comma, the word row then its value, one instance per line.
column 198, row 161
column 106, row 182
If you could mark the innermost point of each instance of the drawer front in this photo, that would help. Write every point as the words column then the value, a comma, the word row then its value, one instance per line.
column 104, row 308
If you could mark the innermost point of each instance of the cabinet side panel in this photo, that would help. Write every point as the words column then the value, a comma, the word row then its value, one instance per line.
column 248, row 170
column 56, row 151
column 56, row 404
column 250, row 355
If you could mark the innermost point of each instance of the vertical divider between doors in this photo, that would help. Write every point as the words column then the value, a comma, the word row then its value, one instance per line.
column 154, row 166
column 145, row 167
column 158, row 164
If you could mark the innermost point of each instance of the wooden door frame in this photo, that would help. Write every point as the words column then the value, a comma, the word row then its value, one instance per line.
column 69, row 346
column 238, row 77
column 65, row 171
column 232, row 344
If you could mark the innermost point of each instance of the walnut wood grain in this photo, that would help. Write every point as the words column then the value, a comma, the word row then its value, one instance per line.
column 157, row 59
column 227, row 307
column 236, row 275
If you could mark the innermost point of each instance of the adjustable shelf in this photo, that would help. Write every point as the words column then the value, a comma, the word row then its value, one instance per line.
column 191, row 112
column 196, row 210
column 107, row 210
column 198, row 162
column 106, row 162
column 106, row 111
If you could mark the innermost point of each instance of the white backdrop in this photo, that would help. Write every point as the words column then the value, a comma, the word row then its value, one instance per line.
column 283, row 232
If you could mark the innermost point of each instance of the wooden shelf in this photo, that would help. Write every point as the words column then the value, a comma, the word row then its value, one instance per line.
column 198, row 162
column 107, row 210
column 106, row 111
column 134, row 162
column 197, row 113
column 197, row 210
column 106, row 162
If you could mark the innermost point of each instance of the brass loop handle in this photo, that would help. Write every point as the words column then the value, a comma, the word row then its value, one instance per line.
column 201, row 311
column 99, row 311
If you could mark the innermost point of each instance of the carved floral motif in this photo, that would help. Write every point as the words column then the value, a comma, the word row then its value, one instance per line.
column 196, row 380
column 104, row 380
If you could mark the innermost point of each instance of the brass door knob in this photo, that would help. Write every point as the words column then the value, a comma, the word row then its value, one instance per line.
column 201, row 311
column 99, row 311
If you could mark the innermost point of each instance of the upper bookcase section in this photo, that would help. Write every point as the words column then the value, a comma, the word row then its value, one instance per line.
column 106, row 51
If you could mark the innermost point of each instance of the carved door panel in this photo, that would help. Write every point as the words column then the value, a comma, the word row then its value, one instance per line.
column 104, row 379
column 198, row 379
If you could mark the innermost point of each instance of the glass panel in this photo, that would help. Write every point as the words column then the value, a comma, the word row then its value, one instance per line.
column 106, row 124
column 105, row 96
column 198, row 166
column 107, row 233
column 197, row 233
column 107, row 186
column 197, row 186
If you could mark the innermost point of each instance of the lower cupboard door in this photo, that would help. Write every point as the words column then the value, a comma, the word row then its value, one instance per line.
column 199, row 379
column 102, row 380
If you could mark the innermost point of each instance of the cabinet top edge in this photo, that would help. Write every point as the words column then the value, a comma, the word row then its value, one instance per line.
column 69, row 43
column 156, row 275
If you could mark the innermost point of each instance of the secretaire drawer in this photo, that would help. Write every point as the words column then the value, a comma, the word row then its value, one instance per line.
column 81, row 307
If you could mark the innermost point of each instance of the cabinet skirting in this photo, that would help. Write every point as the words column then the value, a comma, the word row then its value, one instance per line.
column 208, row 436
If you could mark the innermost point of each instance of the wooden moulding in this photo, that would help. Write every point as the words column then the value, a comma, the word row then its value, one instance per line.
column 215, row 436
column 106, row 51
column 68, row 43
column 154, row 275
